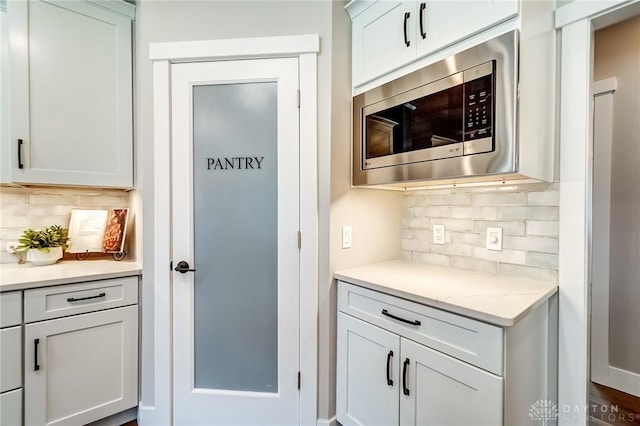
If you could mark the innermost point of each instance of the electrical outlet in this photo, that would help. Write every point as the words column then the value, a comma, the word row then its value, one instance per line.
column 346, row 237
column 438, row 234
column 494, row 239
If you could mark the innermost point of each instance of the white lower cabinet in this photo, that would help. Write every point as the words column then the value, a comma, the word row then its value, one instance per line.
column 368, row 366
column 82, row 365
column 385, row 379
column 404, row 363
column 11, row 358
column 440, row 390
column 11, row 408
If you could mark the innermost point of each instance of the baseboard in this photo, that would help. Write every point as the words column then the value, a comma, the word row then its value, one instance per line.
column 118, row 419
column 327, row 422
column 150, row 415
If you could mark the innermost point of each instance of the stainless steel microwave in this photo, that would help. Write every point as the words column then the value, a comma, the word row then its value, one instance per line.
column 454, row 120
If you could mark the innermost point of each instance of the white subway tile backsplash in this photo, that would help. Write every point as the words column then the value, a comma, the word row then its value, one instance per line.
column 508, row 227
column 51, row 199
column 544, row 198
column 474, row 264
column 12, row 198
column 545, row 228
column 452, row 249
column 36, row 207
column 454, row 224
column 11, row 221
column 415, row 245
column 431, row 258
column 42, row 221
column 417, row 222
column 527, row 214
column 517, row 257
column 472, row 239
column 539, row 244
column 500, row 199
column 463, row 199
column 426, row 211
column 486, row 213
column 528, row 272
column 542, row 260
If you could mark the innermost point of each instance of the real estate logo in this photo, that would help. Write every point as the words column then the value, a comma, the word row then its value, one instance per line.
column 542, row 410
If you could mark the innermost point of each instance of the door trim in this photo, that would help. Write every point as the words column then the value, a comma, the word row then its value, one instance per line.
column 158, row 408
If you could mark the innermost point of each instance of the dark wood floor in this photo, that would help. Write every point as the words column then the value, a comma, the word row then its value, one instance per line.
column 611, row 407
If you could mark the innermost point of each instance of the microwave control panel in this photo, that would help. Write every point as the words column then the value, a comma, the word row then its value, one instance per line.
column 478, row 108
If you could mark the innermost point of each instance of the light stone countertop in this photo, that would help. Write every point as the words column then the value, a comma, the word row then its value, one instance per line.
column 496, row 299
column 21, row 277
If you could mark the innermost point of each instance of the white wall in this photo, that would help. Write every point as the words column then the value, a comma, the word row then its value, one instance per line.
column 375, row 216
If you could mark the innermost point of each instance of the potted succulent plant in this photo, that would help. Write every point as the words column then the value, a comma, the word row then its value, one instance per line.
column 45, row 246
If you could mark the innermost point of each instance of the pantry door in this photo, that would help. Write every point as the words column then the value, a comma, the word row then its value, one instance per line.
column 236, row 265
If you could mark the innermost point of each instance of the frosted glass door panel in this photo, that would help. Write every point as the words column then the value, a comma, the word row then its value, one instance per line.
column 235, row 236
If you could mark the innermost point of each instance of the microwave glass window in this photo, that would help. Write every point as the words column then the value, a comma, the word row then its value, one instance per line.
column 478, row 108
column 431, row 121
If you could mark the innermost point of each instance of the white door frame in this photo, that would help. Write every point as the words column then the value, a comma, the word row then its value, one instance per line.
column 577, row 21
column 163, row 55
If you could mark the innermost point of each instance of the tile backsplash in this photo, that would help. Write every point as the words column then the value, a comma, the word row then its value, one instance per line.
column 37, row 207
column 527, row 214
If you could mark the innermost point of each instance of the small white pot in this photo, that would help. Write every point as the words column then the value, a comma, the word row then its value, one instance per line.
column 41, row 257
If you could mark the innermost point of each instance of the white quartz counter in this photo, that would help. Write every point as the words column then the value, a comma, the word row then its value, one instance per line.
column 21, row 277
column 496, row 299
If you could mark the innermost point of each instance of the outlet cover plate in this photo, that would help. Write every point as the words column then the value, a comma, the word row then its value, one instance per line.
column 438, row 234
column 494, row 239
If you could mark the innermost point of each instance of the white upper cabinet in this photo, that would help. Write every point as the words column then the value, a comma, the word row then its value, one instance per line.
column 383, row 37
column 71, row 93
column 444, row 23
column 387, row 35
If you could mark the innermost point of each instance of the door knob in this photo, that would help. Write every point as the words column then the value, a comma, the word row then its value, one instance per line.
column 183, row 267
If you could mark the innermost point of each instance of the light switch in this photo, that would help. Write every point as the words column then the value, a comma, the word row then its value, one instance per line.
column 494, row 239
column 346, row 237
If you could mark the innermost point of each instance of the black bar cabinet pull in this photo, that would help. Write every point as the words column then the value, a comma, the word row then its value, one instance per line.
column 183, row 267
column 36, row 366
column 73, row 299
column 389, row 380
column 423, row 6
column 387, row 314
column 406, row 19
column 20, row 165
column 405, row 369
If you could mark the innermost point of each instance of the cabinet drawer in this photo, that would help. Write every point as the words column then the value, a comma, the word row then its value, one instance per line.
column 10, row 308
column 463, row 338
column 11, row 408
column 10, row 358
column 71, row 299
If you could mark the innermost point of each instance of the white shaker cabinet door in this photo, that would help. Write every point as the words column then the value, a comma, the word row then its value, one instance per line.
column 439, row 390
column 71, row 94
column 383, row 39
column 443, row 23
column 367, row 374
column 82, row 368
